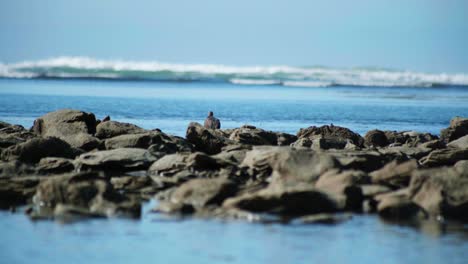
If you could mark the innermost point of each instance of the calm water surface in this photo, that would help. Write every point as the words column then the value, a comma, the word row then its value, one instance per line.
column 170, row 107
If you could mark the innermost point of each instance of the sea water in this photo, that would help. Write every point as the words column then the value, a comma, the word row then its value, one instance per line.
column 170, row 106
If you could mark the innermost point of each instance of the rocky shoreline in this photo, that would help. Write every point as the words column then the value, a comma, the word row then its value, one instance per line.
column 70, row 165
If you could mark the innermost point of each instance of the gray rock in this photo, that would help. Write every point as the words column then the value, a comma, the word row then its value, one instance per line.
column 441, row 191
column 395, row 174
column 123, row 159
column 73, row 126
column 461, row 143
column 457, row 129
column 111, row 129
column 90, row 192
column 199, row 194
column 54, row 166
column 35, row 149
column 441, row 157
column 398, row 208
column 365, row 160
column 15, row 168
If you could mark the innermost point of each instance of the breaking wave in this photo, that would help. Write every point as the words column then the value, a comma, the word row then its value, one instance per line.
column 89, row 68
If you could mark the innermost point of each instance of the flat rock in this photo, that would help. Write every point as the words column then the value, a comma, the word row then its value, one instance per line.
column 395, row 174
column 441, row 157
column 123, row 159
column 54, row 166
column 460, row 143
column 111, row 129
column 331, row 132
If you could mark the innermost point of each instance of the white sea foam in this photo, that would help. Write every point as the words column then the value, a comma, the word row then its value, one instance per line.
column 83, row 67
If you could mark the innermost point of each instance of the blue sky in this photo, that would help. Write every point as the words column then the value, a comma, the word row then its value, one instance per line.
column 429, row 35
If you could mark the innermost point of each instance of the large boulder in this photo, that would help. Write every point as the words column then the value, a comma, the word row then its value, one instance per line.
column 331, row 132
column 206, row 140
column 252, row 135
column 457, row 129
column 73, row 126
column 123, row 159
column 111, row 129
column 441, row 191
column 199, row 194
column 35, row 149
column 90, row 192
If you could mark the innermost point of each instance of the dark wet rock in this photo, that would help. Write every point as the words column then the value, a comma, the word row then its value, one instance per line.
column 206, row 140
column 198, row 194
column 288, row 166
column 289, row 202
column 433, row 144
column 331, row 132
column 344, row 184
column 15, row 168
column 106, row 118
column 285, row 139
column 326, row 219
column 457, row 129
column 4, row 124
column 35, row 149
column 54, row 166
column 400, row 208
column 122, row 159
column 460, row 143
column 69, row 213
column 16, row 191
column 11, row 135
column 443, row 157
column 111, row 129
column 144, row 186
column 375, row 138
column 441, row 191
column 395, row 174
column 408, row 138
column 73, row 126
column 90, row 192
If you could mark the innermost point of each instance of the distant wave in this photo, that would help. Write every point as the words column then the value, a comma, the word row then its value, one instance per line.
column 89, row 68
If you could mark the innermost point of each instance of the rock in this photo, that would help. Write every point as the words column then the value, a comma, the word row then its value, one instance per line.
column 142, row 185
column 90, row 192
column 15, row 168
column 331, row 132
column 111, row 129
column 251, row 135
column 346, row 185
column 371, row 190
column 233, row 153
column 206, row 140
column 16, row 191
column 375, row 138
column 329, row 143
column 73, row 126
column 327, row 219
column 285, row 139
column 409, row 138
column 441, row 157
column 54, row 166
column 441, row 191
column 460, row 143
column 189, row 165
column 288, row 202
column 302, row 143
column 106, row 118
column 288, row 166
column 395, row 174
column 123, row 159
column 365, row 160
column 457, row 129
column 13, row 134
column 129, row 141
column 35, row 149
column 400, row 209
column 198, row 194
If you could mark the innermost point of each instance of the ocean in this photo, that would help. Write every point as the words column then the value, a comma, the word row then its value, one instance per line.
column 280, row 98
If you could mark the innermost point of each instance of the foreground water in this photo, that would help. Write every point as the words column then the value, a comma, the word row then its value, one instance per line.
column 170, row 107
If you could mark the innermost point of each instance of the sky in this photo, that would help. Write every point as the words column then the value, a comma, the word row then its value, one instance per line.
column 420, row 35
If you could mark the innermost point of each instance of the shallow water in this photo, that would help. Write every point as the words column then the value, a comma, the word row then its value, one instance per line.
column 170, row 107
